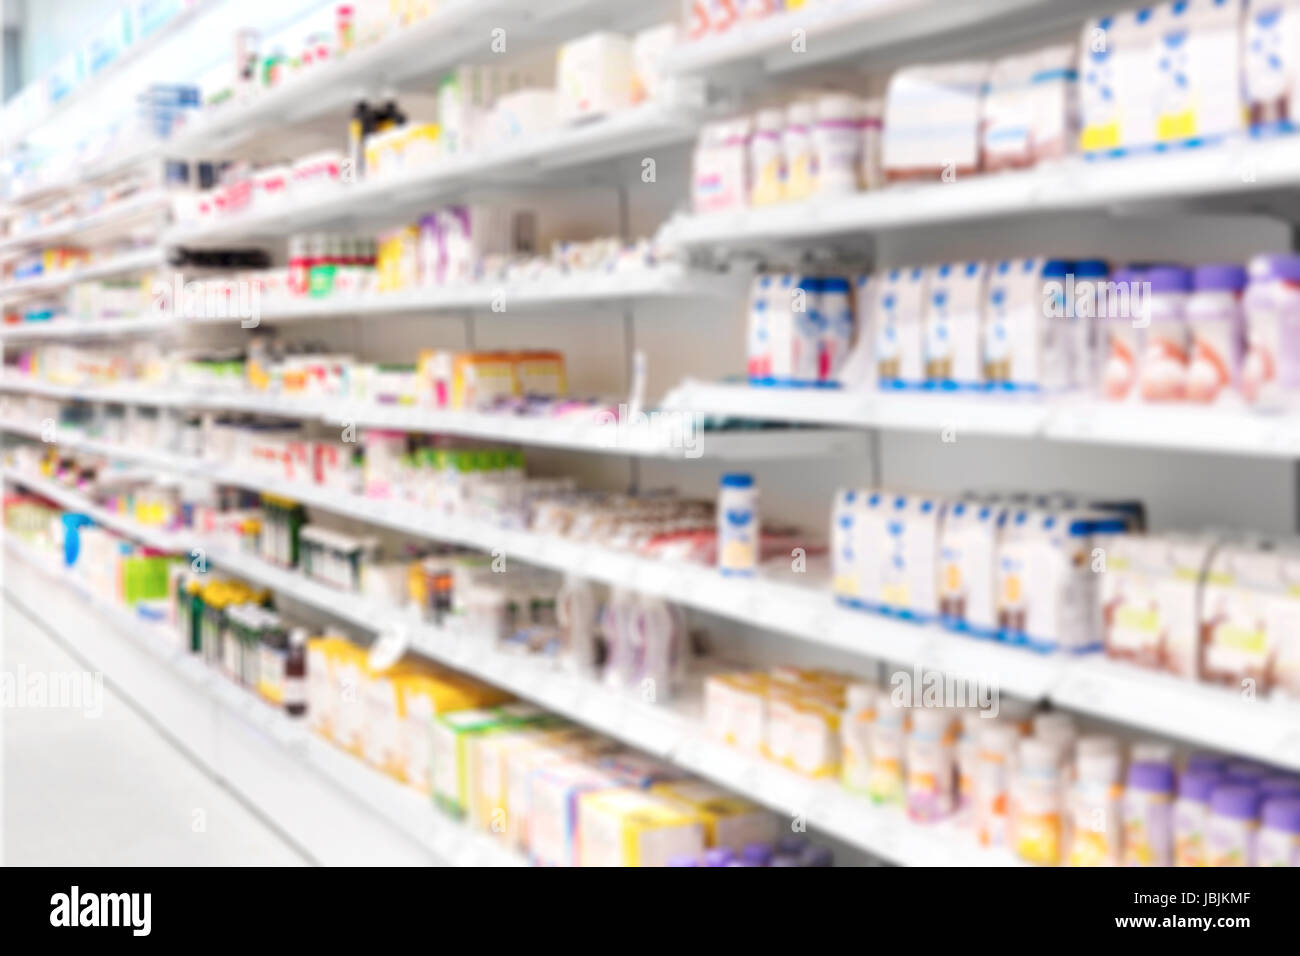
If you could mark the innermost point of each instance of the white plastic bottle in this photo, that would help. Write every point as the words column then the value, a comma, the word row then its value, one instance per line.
column 797, row 149
column 767, row 159
column 837, row 140
column 738, row 524
column 1162, row 369
column 1217, row 324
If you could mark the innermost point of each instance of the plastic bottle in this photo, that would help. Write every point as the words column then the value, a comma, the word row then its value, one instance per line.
column 757, row 854
column 1121, row 340
column 1271, row 370
column 738, row 532
column 1148, row 815
column 1278, row 843
column 1096, row 805
column 797, row 150
column 1089, row 275
column 887, row 735
column 1232, row 826
column 855, row 737
column 1037, row 802
column 1217, row 323
column 1192, row 814
column 931, row 764
column 1279, row 786
column 295, row 673
column 1162, row 369
column 767, row 159
column 837, row 141
column 835, row 329
column 994, row 766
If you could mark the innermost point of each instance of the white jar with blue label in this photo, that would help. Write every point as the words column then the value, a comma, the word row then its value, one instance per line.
column 737, row 524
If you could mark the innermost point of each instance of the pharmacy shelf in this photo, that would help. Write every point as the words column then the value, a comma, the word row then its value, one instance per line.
column 458, row 30
column 674, row 436
column 1204, row 715
column 1188, row 428
column 88, row 329
column 633, row 285
column 1266, row 729
column 97, row 224
column 1242, row 173
column 138, row 260
column 836, row 30
column 672, row 733
column 112, row 161
column 538, row 157
column 94, row 86
column 662, row 282
column 334, row 806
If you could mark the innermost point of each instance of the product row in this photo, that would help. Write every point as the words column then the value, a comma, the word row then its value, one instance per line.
column 1216, row 333
column 1143, row 80
column 557, row 794
column 1063, row 573
column 1008, row 776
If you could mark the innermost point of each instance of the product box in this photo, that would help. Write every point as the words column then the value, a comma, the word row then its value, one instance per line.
column 489, row 755
column 932, row 121
column 968, row 555
column 846, row 579
column 803, row 731
column 541, row 372
column 1198, row 43
column 554, row 791
column 633, row 828
column 530, row 754
column 480, row 378
column 1272, row 65
column 1118, row 74
column 1250, row 614
column 450, row 753
column 1025, row 341
column 954, row 301
column 729, row 821
column 909, row 565
column 899, row 323
column 595, row 75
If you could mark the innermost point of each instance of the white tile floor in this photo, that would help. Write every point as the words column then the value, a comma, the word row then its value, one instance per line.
column 111, row 790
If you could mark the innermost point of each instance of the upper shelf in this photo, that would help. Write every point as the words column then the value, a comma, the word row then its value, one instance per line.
column 1182, row 427
column 839, row 31
column 1243, row 172
column 395, row 197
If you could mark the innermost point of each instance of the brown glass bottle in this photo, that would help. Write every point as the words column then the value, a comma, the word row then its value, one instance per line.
column 295, row 674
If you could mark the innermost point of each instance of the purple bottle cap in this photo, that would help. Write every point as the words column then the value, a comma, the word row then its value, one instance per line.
column 1219, row 277
column 1198, row 784
column 718, row 856
column 1169, row 279
column 1205, row 761
column 757, row 854
column 792, row 844
column 1235, row 801
column 687, row 859
column 1151, row 777
column 1282, row 813
column 1282, row 266
column 818, row 856
column 1244, row 770
column 1279, row 786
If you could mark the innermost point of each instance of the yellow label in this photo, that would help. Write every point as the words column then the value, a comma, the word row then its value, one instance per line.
column 1175, row 126
column 1105, row 136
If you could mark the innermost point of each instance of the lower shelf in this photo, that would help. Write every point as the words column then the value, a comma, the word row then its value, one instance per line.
column 338, row 810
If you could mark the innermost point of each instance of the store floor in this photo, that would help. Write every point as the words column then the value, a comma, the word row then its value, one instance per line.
column 111, row 789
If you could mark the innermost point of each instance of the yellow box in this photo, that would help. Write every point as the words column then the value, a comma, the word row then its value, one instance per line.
column 627, row 827
column 478, row 378
column 729, row 820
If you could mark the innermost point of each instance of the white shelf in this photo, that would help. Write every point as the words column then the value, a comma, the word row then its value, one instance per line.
column 393, row 197
column 844, row 29
column 1242, row 170
column 670, row 437
column 99, row 223
column 82, row 329
column 1185, row 427
column 333, row 805
column 138, row 260
column 1201, row 714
